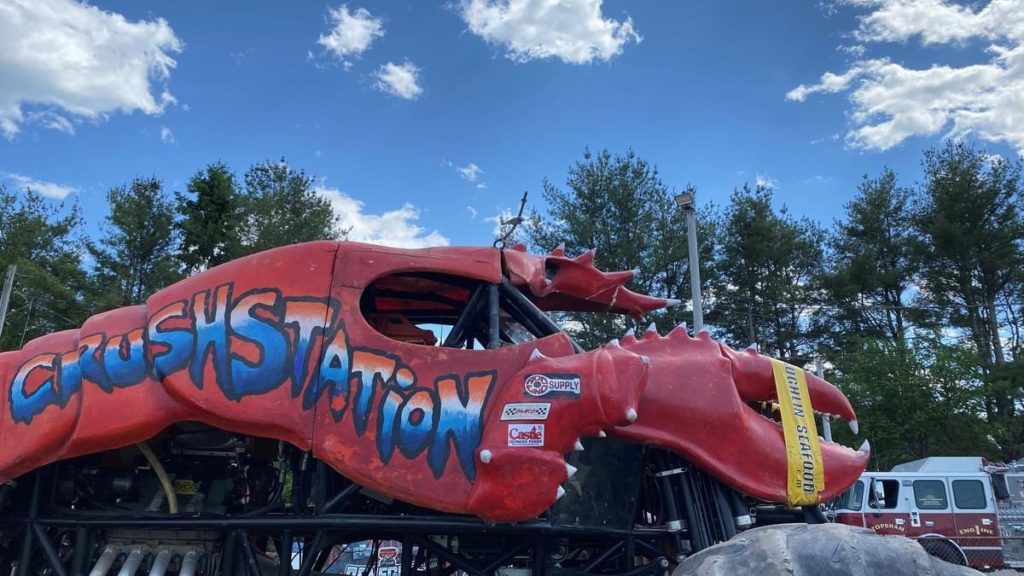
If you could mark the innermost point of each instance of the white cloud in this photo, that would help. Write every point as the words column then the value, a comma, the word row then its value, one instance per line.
column 67, row 56
column 402, row 80
column 481, row 185
column 352, row 34
column 393, row 228
column 166, row 135
column 470, row 172
column 472, row 212
column 765, row 181
column 891, row 102
column 48, row 189
column 574, row 31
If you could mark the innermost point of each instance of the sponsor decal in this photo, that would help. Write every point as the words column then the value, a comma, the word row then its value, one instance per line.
column 525, row 434
column 526, row 411
column 553, row 385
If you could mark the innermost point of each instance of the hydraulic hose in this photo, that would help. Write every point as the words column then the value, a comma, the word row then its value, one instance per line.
column 161, row 474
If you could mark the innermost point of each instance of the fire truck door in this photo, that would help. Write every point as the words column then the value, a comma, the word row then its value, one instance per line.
column 888, row 510
column 977, row 526
column 930, row 511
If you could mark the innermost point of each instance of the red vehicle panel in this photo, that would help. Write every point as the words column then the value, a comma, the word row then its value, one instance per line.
column 309, row 344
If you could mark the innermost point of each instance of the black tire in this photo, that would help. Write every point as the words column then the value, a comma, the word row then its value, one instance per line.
column 817, row 550
column 943, row 550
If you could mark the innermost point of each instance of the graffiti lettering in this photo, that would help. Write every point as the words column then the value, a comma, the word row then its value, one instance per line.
column 258, row 342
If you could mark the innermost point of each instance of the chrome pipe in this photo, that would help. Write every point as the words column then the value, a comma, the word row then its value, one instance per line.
column 160, row 563
column 131, row 563
column 105, row 561
column 189, row 563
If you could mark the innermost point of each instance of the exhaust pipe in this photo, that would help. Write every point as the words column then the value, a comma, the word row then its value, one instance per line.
column 160, row 563
column 188, row 563
column 106, row 560
column 131, row 564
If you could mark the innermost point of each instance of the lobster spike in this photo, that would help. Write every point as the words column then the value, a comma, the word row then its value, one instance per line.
column 752, row 348
column 587, row 257
column 602, row 434
column 679, row 331
column 578, row 446
column 635, row 271
column 672, row 302
column 629, row 334
column 536, row 355
column 485, row 456
column 631, row 415
column 559, row 251
column 569, row 470
column 614, row 343
column 559, row 493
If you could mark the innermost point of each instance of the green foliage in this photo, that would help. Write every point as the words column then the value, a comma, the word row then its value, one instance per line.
column 618, row 206
column 766, row 271
column 281, row 207
column 875, row 259
column 913, row 401
column 40, row 238
column 210, row 216
column 972, row 257
column 135, row 257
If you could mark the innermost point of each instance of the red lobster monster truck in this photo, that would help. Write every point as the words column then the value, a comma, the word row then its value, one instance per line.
column 261, row 415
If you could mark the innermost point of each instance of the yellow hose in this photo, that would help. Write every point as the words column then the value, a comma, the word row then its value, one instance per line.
column 161, row 474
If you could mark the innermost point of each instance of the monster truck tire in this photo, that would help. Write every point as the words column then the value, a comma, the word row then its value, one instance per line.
column 817, row 550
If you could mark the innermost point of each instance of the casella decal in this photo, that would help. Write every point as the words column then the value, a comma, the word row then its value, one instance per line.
column 525, row 434
column 553, row 385
column 526, row 411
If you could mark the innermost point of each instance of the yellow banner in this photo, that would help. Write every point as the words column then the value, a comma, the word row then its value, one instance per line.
column 806, row 478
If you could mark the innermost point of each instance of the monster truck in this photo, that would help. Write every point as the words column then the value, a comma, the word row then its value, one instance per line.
column 261, row 416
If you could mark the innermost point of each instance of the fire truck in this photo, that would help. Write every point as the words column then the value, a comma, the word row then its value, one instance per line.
column 964, row 510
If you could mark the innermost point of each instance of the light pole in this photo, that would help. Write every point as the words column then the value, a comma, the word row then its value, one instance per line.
column 686, row 201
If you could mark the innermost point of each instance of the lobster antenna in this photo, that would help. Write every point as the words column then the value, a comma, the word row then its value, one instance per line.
column 512, row 223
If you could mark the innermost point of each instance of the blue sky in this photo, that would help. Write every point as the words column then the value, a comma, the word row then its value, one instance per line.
column 806, row 96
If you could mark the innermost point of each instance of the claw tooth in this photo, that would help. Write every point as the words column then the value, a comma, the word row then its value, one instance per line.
column 536, row 355
column 854, row 427
column 569, row 470
column 752, row 348
column 679, row 331
column 705, row 330
column 631, row 415
column 485, row 456
column 652, row 328
column 629, row 333
column 602, row 434
column 646, row 360
column 614, row 342
column 672, row 302
column 578, row 446
column 865, row 447
column 559, row 493
column 635, row 271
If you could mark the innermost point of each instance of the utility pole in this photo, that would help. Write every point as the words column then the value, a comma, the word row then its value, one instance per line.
column 687, row 201
column 5, row 297
column 826, row 422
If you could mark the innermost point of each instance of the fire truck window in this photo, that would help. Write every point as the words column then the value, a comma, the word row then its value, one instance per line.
column 891, row 488
column 969, row 495
column 930, row 494
column 853, row 498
